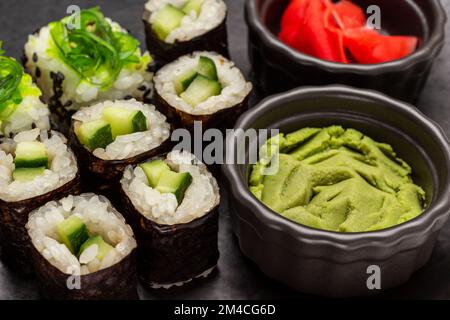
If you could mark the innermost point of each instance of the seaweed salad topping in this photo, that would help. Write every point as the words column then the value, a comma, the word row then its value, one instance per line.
column 10, row 78
column 88, row 44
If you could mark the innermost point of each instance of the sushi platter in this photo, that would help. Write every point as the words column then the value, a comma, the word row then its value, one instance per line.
column 96, row 203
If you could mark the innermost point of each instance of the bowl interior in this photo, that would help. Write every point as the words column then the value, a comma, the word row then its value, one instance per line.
column 411, row 139
column 405, row 17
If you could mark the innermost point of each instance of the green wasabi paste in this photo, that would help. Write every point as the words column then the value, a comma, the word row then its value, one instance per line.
column 336, row 179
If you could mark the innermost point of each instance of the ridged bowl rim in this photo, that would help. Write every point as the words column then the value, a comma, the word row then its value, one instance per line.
column 431, row 219
column 431, row 48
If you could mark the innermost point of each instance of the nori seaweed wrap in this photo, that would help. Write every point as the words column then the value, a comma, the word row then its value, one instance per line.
column 175, row 28
column 77, row 67
column 24, row 188
column 82, row 249
column 175, row 221
column 202, row 86
column 103, row 163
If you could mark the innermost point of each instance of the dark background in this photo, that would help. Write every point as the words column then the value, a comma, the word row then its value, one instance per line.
column 237, row 277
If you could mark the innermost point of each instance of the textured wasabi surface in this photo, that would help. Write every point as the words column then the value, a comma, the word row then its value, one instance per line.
column 336, row 179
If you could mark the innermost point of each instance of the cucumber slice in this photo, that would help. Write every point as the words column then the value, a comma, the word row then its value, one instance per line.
column 153, row 171
column 31, row 154
column 124, row 121
column 200, row 90
column 73, row 233
column 166, row 20
column 184, row 81
column 174, row 182
column 103, row 247
column 139, row 122
column 95, row 134
column 207, row 68
column 193, row 5
column 27, row 174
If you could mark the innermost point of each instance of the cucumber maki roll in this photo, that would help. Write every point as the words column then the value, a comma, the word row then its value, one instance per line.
column 177, row 27
column 172, row 206
column 20, row 105
column 111, row 135
column 82, row 249
column 79, row 63
column 36, row 166
column 202, row 86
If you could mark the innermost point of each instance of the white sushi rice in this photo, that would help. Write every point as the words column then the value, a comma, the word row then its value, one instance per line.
column 130, row 81
column 31, row 111
column 200, row 198
column 212, row 14
column 100, row 219
column 130, row 145
column 235, row 87
column 63, row 166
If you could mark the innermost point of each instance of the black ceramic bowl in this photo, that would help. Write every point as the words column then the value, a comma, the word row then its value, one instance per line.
column 279, row 68
column 331, row 263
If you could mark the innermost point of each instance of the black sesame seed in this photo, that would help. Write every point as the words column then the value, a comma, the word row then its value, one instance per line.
column 60, row 76
column 142, row 88
column 152, row 67
column 128, row 97
column 38, row 72
column 147, row 93
column 35, row 57
column 33, row 125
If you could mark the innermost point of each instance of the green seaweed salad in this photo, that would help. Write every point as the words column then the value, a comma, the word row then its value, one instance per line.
column 11, row 74
column 92, row 47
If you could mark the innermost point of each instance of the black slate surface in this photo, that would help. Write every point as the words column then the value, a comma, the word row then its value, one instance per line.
column 236, row 277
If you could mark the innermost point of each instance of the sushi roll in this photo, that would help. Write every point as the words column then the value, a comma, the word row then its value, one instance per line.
column 20, row 106
column 202, row 86
column 36, row 166
column 109, row 136
column 177, row 27
column 76, row 67
column 172, row 205
column 82, row 249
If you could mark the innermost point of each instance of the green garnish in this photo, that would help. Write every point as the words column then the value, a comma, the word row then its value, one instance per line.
column 94, row 50
column 10, row 77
